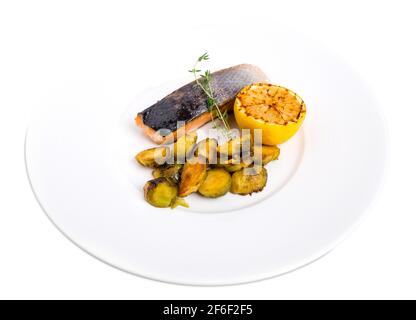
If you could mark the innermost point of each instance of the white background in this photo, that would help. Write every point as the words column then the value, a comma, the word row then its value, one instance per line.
column 52, row 49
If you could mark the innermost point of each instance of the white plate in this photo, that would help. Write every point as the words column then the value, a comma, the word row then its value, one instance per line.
column 83, row 173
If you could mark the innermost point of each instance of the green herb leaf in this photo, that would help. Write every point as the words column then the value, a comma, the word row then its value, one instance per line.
column 203, row 57
column 203, row 81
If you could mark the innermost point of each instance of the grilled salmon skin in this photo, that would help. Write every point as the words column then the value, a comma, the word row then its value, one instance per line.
column 188, row 104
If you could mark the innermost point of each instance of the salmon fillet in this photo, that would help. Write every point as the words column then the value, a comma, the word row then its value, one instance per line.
column 188, row 104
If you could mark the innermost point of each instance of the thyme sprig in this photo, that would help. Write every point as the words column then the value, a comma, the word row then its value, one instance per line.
column 203, row 80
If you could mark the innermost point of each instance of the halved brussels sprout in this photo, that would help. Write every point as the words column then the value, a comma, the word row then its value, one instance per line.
column 153, row 157
column 184, row 145
column 206, row 150
column 247, row 181
column 235, row 148
column 232, row 165
column 193, row 174
column 171, row 172
column 268, row 153
column 216, row 184
column 160, row 192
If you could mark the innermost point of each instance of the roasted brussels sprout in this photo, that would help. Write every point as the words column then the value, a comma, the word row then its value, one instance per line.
column 206, row 150
column 171, row 172
column 216, row 184
column 184, row 145
column 160, row 192
column 235, row 148
column 233, row 166
column 153, row 157
column 247, row 181
column 193, row 174
column 268, row 153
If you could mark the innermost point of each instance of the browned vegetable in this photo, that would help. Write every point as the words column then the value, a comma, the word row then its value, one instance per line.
column 268, row 153
column 232, row 165
column 160, row 192
column 236, row 147
column 171, row 172
column 153, row 157
column 234, row 168
column 244, row 183
column 207, row 150
column 193, row 174
column 184, row 145
column 216, row 184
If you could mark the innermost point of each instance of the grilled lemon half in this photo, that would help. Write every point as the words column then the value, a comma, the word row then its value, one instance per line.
column 277, row 111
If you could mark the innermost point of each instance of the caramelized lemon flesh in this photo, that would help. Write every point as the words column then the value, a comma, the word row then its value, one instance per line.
column 277, row 111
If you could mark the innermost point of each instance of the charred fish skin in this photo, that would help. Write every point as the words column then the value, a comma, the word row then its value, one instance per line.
column 190, row 102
